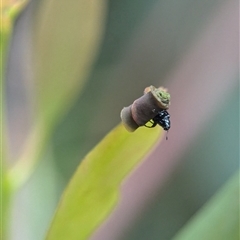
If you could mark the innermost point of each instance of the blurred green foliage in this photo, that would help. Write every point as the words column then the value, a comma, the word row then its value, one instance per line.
column 59, row 120
column 218, row 218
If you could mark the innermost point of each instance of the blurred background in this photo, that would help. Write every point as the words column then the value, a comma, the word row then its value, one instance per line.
column 188, row 46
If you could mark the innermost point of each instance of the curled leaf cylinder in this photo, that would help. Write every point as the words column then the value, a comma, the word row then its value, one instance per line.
column 145, row 108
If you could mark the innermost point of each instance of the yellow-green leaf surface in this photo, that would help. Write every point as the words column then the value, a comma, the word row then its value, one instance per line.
column 219, row 218
column 66, row 39
column 94, row 189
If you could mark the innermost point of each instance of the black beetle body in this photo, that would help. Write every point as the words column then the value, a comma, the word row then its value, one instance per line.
column 162, row 119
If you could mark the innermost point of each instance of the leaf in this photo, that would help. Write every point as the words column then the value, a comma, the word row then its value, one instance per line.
column 94, row 189
column 67, row 36
column 218, row 219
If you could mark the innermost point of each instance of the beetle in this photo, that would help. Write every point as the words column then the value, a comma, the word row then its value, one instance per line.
column 162, row 118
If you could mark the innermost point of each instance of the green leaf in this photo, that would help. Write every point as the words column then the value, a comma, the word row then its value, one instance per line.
column 95, row 187
column 218, row 219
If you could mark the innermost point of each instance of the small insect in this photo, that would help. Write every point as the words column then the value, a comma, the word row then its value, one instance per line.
column 162, row 119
